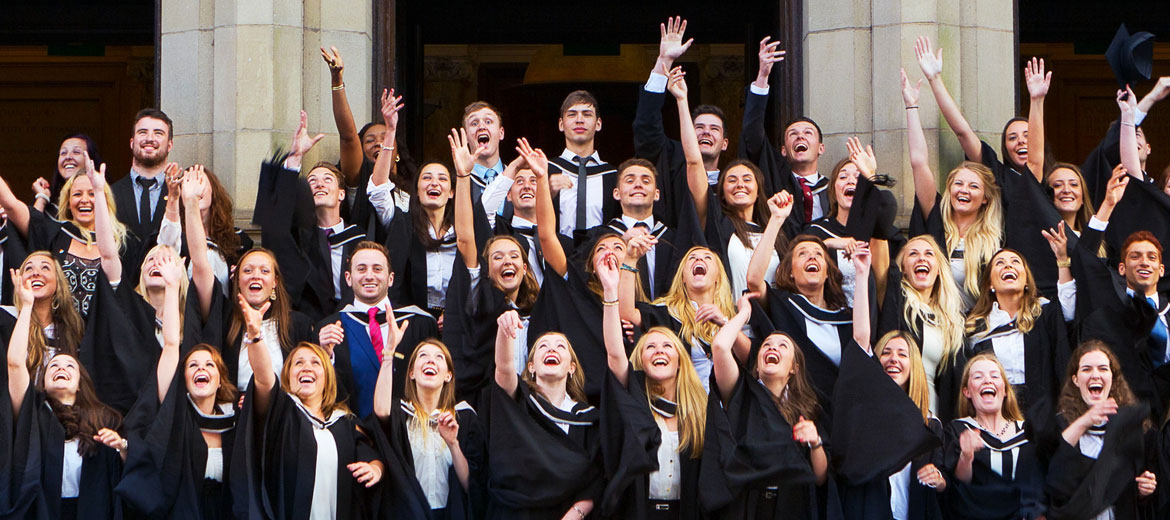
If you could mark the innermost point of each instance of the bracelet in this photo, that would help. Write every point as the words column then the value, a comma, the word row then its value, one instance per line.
column 339, row 87
column 247, row 340
column 44, row 197
column 125, row 446
column 625, row 267
column 911, row 106
column 1123, row 123
column 609, row 303
column 1065, row 264
column 464, row 176
column 579, row 511
column 388, row 148
column 820, row 442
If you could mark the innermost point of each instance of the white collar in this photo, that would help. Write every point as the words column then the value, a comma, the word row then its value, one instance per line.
column 631, row 221
column 521, row 222
column 358, row 306
column 570, row 156
column 317, row 423
column 337, row 228
column 810, row 179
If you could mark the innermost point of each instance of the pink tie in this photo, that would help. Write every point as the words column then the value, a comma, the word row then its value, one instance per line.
column 375, row 332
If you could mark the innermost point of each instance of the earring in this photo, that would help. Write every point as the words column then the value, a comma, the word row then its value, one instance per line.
column 272, row 295
column 56, row 304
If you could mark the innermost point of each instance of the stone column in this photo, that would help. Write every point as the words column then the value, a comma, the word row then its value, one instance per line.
column 235, row 75
column 853, row 50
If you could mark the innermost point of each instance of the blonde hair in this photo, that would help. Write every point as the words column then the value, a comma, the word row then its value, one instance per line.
column 64, row 213
column 916, row 386
column 329, row 401
column 678, row 300
column 692, row 400
column 574, row 383
column 943, row 308
column 184, row 282
column 1011, row 406
column 985, row 235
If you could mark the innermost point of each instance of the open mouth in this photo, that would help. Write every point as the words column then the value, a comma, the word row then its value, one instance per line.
column 706, row 140
column 37, row 284
column 154, row 273
column 800, row 147
column 430, row 370
column 369, row 285
column 61, row 375
column 201, row 379
column 307, row 379
column 320, row 192
column 1009, row 276
column 988, row 391
column 255, row 287
column 893, row 368
column 660, row 361
column 551, row 360
column 699, row 269
column 69, row 165
column 771, row 358
column 1145, row 272
column 85, row 208
column 963, row 197
column 508, row 272
column 849, row 191
column 812, row 267
column 483, row 137
column 1096, row 388
column 434, row 192
column 527, row 194
column 1022, row 152
column 922, row 269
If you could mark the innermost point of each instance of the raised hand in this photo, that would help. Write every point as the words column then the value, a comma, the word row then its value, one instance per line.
column 397, row 332
column 391, row 104
column 460, row 155
column 1127, row 102
column 330, row 335
column 24, row 290
column 301, row 142
column 677, row 83
column 709, row 312
column 1036, row 79
column 930, row 62
column 42, row 187
column 170, row 269
column 1116, row 187
column 448, row 428
column 97, row 177
column 860, row 257
column 769, row 54
column 780, row 205
column 193, row 183
column 970, row 442
column 805, row 432
column 743, row 305
column 606, row 268
column 173, row 176
column 910, row 92
column 670, row 44
column 1100, row 412
column 638, row 245
column 1161, row 89
column 864, row 158
column 254, row 318
column 336, row 66
column 509, row 323
column 537, row 161
column 1057, row 240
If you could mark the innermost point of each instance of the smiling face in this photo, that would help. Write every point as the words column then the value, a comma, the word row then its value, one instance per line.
column 612, row 244
column 41, row 275
column 430, row 368
column 1015, row 140
column 1067, row 193
column 579, row 123
column 985, row 386
column 506, row 266
column 201, row 374
column 709, row 130
column 523, row 191
column 551, row 359
column 69, row 158
column 62, row 377
column 659, row 357
column 920, row 265
column 802, row 143
column 152, row 277
column 776, row 359
column 483, row 128
column 372, row 141
column 846, row 185
column 1094, row 377
column 434, row 186
column 809, row 266
column 326, row 188
column 1142, row 267
column 369, row 275
column 257, row 278
column 306, row 374
column 1143, row 146
column 81, row 201
column 740, row 187
column 151, row 142
column 895, row 360
column 636, row 189
column 700, row 271
column 1007, row 273
column 966, row 192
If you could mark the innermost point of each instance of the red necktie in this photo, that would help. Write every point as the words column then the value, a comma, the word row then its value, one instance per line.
column 375, row 332
column 808, row 199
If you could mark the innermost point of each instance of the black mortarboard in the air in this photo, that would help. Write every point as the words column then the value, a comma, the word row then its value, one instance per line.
column 1131, row 56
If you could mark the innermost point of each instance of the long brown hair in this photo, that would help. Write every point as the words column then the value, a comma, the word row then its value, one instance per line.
column 1030, row 305
column 574, row 383
column 67, row 324
column 760, row 212
column 799, row 398
column 1011, row 406
column 227, row 391
column 280, row 310
column 834, row 174
column 86, row 415
column 418, row 216
column 329, row 402
column 529, row 288
column 833, row 293
column 221, row 227
column 1071, row 405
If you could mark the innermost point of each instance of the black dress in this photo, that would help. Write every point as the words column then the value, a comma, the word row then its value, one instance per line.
column 1007, row 481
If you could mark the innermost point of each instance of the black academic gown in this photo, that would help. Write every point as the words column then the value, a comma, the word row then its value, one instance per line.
column 535, row 470
column 651, row 143
column 469, row 330
column 37, row 454
column 871, row 410
column 1143, row 207
column 571, row 308
column 604, row 173
column 167, row 459
column 14, row 250
column 1080, row 487
column 403, row 496
column 1017, row 493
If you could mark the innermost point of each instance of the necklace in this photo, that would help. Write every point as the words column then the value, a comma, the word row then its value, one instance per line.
column 1002, row 431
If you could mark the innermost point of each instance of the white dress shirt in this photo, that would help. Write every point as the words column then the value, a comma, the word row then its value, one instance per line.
column 667, row 479
column 71, row 470
column 630, row 222
column 170, row 233
column 440, row 262
column 1009, row 348
column 738, row 258
column 812, row 180
column 432, row 461
column 594, row 198
column 336, row 257
column 272, row 343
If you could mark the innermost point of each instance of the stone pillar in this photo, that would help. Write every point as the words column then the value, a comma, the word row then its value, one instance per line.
column 235, row 75
column 853, row 50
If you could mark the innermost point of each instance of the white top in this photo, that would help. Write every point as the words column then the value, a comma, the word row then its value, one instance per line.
column 826, row 338
column 494, row 195
column 1090, row 445
column 566, row 406
column 1009, row 348
column 71, row 470
column 214, row 468
column 699, row 359
column 432, row 462
column 666, row 481
column 324, row 504
column 959, row 273
column 738, row 258
column 336, row 254
column 170, row 233
column 900, row 494
column 275, row 355
column 439, row 265
column 630, row 222
column 594, row 198
column 932, row 354
column 387, row 199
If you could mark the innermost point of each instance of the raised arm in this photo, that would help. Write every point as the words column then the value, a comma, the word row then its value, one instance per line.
column 637, row 247
column 168, row 360
column 779, row 206
column 1156, row 94
column 301, row 143
column 351, row 147
column 263, row 379
column 18, row 212
column 753, row 137
column 931, row 64
column 464, row 218
column 606, row 267
column 391, row 104
column 384, row 388
column 18, row 376
column 193, row 185
column 1128, row 137
column 725, row 367
column 925, row 186
column 1038, row 83
column 103, row 224
column 696, row 172
column 861, row 319
column 506, row 327
column 546, row 215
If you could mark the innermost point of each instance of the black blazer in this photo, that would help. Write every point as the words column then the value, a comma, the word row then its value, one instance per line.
column 128, row 207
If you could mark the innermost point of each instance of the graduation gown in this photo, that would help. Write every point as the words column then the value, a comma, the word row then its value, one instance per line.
column 356, row 362
column 469, row 330
column 409, row 262
column 37, row 446
column 673, row 244
column 1081, row 487
column 403, row 496
column 14, row 249
column 571, row 308
column 872, row 410
column 651, row 143
column 604, row 173
column 535, row 469
column 1143, row 207
column 828, row 227
column 1016, row 491
column 167, row 459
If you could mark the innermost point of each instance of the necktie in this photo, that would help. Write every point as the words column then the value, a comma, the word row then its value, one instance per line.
column 375, row 332
column 806, row 191
column 582, row 191
column 1159, row 333
column 529, row 234
column 489, row 175
column 644, row 270
column 144, row 209
column 327, row 249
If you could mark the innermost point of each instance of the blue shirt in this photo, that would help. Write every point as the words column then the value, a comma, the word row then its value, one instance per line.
column 155, row 191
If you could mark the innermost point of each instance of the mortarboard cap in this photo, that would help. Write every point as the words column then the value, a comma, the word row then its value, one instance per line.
column 1131, row 56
